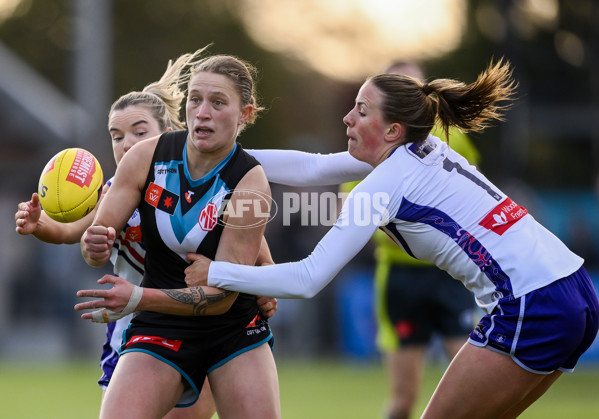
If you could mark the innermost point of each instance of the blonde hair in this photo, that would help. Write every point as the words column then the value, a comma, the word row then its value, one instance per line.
column 419, row 105
column 164, row 97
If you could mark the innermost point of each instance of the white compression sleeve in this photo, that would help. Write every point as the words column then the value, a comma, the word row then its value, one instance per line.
column 106, row 316
column 298, row 168
column 305, row 278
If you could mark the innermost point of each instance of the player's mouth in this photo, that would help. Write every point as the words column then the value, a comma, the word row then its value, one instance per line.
column 203, row 131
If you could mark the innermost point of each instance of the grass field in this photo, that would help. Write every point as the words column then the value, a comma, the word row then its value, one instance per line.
column 313, row 390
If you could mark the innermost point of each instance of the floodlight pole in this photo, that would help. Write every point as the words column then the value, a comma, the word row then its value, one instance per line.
column 92, row 65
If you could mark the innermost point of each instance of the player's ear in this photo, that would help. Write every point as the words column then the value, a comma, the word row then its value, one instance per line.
column 393, row 132
column 246, row 112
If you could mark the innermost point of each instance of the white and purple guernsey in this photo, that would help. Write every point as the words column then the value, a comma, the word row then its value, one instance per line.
column 128, row 254
column 438, row 208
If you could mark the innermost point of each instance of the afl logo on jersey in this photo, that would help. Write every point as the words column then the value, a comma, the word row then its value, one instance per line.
column 208, row 217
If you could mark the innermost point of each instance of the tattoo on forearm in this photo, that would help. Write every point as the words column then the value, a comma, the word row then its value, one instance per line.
column 196, row 297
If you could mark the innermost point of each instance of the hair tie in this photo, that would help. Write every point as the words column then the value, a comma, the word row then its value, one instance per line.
column 427, row 89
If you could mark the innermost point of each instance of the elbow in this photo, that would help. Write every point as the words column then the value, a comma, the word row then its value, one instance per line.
column 221, row 307
column 308, row 292
column 311, row 279
column 311, row 293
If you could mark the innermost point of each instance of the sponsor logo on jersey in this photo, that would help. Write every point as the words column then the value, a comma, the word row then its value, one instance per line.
column 188, row 196
column 479, row 331
column 503, row 216
column 83, row 169
column 166, row 170
column 208, row 217
column 423, row 148
column 255, row 327
column 161, row 198
column 254, row 320
column 173, row 344
column 133, row 234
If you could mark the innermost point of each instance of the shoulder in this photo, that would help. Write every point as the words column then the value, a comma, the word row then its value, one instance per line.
column 242, row 155
column 255, row 179
column 388, row 181
column 170, row 142
column 384, row 178
column 136, row 162
column 461, row 143
column 235, row 168
column 142, row 149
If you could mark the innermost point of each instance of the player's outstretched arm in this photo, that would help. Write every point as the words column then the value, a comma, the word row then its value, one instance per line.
column 124, row 298
column 310, row 169
column 266, row 305
column 30, row 218
column 118, row 204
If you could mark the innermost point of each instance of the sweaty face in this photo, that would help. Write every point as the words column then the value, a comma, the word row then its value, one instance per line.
column 366, row 126
column 129, row 126
column 214, row 113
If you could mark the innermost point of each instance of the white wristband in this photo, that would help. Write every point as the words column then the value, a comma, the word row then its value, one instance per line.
column 106, row 316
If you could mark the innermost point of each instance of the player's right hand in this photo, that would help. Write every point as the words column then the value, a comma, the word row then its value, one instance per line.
column 113, row 302
column 28, row 215
column 96, row 244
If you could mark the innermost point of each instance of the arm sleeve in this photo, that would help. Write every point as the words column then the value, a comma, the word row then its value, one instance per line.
column 298, row 168
column 304, row 279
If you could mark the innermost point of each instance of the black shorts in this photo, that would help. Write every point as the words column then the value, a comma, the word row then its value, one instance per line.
column 422, row 301
column 194, row 358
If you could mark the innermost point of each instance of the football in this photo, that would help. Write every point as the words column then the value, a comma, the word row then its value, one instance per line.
column 70, row 185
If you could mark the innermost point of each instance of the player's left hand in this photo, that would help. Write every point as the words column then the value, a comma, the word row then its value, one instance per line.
column 196, row 274
column 267, row 307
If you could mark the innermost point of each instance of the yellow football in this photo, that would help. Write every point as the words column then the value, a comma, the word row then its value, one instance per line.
column 70, row 185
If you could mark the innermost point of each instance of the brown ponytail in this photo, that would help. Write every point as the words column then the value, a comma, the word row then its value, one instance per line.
column 418, row 106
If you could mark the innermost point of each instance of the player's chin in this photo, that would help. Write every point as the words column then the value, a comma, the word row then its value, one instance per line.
column 352, row 147
column 201, row 141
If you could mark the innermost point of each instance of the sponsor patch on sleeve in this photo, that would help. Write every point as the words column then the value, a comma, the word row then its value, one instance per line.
column 503, row 216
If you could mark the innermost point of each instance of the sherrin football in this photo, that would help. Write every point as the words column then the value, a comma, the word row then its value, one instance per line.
column 70, row 185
